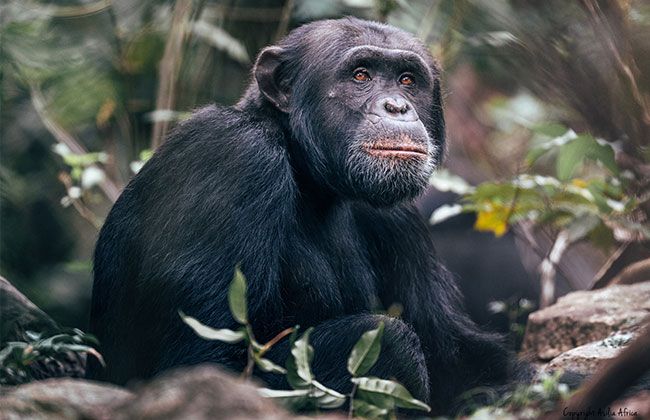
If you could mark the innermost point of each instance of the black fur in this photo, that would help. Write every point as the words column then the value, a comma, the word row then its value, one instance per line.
column 324, row 228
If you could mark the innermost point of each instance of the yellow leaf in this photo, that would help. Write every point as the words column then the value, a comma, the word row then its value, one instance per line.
column 579, row 183
column 105, row 113
column 493, row 220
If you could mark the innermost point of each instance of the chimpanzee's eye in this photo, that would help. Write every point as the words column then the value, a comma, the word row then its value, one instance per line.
column 406, row 79
column 361, row 74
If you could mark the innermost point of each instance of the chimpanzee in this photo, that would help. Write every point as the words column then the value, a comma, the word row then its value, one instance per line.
column 308, row 183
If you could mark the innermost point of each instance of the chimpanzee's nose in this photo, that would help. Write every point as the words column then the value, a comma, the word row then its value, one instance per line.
column 393, row 108
column 396, row 106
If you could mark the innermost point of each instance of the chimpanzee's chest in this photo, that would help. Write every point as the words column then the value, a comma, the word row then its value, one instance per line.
column 327, row 271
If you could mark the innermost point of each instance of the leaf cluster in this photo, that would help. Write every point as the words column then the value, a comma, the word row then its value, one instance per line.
column 17, row 356
column 594, row 207
column 524, row 402
column 239, row 311
column 371, row 397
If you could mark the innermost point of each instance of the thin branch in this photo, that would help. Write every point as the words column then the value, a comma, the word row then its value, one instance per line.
column 283, row 24
column 351, row 410
column 78, row 204
column 274, row 340
column 248, row 372
column 427, row 22
column 108, row 186
column 599, row 20
column 548, row 268
column 168, row 68
column 248, row 14
column 522, row 231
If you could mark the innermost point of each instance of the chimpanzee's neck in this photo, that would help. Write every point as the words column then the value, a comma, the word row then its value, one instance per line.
column 311, row 193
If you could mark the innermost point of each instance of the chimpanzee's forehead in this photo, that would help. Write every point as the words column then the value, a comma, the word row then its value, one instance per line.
column 385, row 36
column 350, row 33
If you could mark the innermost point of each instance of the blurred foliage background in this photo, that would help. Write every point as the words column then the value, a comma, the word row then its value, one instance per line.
column 547, row 107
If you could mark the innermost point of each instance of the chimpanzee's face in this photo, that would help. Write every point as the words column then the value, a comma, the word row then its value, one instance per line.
column 377, row 101
column 364, row 107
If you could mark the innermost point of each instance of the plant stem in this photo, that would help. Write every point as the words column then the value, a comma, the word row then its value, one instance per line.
column 248, row 372
column 351, row 411
column 274, row 340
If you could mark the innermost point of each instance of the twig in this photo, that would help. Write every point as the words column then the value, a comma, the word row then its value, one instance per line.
column 283, row 24
column 525, row 234
column 547, row 268
column 274, row 340
column 513, row 205
column 168, row 68
column 78, row 205
column 599, row 19
column 108, row 186
column 248, row 372
column 351, row 410
column 427, row 22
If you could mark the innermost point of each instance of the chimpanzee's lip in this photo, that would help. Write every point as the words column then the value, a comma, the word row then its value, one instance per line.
column 398, row 150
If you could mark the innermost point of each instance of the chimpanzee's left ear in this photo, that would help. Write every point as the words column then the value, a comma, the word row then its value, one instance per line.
column 266, row 74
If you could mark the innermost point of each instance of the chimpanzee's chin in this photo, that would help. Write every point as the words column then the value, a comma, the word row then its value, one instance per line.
column 388, row 185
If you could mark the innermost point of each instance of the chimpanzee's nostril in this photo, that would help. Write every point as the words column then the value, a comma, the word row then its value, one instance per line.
column 394, row 109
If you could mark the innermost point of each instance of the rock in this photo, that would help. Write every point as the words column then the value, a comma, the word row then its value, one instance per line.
column 200, row 392
column 19, row 315
column 636, row 407
column 583, row 317
column 61, row 399
column 591, row 357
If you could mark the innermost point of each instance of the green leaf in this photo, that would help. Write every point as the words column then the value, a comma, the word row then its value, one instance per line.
column 299, row 373
column 443, row 180
column 561, row 135
column 571, row 155
column 603, row 237
column 378, row 400
column 237, row 297
column 268, row 366
column 300, row 399
column 444, row 212
column 293, row 400
column 364, row 354
column 78, row 96
column 581, row 226
column 367, row 410
column 326, row 397
column 384, row 387
column 599, row 197
column 81, row 348
column 50, row 342
column 534, row 154
column 550, row 129
column 584, row 146
column 225, row 335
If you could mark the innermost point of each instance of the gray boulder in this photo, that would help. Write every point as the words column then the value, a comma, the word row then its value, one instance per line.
column 583, row 317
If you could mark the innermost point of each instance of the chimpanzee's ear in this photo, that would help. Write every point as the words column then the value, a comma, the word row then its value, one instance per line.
column 266, row 66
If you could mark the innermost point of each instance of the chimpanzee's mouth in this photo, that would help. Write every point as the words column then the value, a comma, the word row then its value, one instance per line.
column 396, row 150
